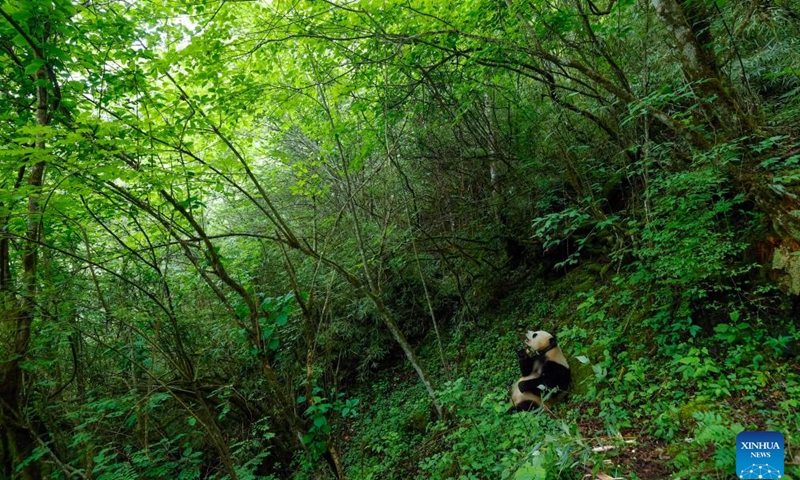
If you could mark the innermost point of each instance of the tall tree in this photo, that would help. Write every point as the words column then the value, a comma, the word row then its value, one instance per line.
column 37, row 31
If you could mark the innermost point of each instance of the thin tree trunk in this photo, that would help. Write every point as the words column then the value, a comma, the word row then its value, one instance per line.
column 397, row 334
column 428, row 302
column 18, row 441
column 307, row 307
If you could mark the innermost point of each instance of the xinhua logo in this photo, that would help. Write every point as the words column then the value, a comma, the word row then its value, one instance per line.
column 759, row 455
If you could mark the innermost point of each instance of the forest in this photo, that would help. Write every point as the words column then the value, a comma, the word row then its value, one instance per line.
column 303, row 239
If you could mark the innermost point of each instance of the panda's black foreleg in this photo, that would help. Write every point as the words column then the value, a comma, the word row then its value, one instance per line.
column 555, row 376
column 525, row 406
column 532, row 385
column 525, row 362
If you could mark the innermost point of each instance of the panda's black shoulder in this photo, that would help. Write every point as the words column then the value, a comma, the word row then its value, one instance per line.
column 557, row 372
column 555, row 367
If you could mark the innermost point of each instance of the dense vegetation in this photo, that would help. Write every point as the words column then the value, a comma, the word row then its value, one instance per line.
column 300, row 239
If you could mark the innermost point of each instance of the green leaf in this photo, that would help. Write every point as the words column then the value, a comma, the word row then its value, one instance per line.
column 531, row 472
column 34, row 66
column 268, row 304
column 281, row 319
column 191, row 421
column 20, row 41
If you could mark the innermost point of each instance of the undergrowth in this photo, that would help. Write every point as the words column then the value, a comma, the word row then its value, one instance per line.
column 665, row 407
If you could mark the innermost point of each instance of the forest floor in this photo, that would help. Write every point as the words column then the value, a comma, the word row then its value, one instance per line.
column 640, row 408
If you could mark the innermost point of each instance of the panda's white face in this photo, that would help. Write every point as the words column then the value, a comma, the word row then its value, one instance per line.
column 538, row 340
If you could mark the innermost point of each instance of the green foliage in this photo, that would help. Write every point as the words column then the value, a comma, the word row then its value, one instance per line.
column 554, row 228
column 714, row 434
column 679, row 398
column 470, row 170
column 176, row 456
column 251, row 452
column 323, row 414
column 488, row 443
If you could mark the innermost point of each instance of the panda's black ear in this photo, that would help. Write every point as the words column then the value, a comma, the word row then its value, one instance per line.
column 553, row 341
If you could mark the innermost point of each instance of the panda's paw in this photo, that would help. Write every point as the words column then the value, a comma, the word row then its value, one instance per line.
column 521, row 353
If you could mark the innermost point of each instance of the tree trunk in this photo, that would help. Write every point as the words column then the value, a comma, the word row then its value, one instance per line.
column 18, row 440
column 397, row 334
column 689, row 25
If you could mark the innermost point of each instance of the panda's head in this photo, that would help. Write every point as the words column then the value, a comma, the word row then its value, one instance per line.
column 539, row 341
column 543, row 344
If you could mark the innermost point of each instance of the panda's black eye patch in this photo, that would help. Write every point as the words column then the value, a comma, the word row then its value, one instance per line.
column 534, row 335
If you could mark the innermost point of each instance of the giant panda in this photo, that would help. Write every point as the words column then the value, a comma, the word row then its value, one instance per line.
column 545, row 366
